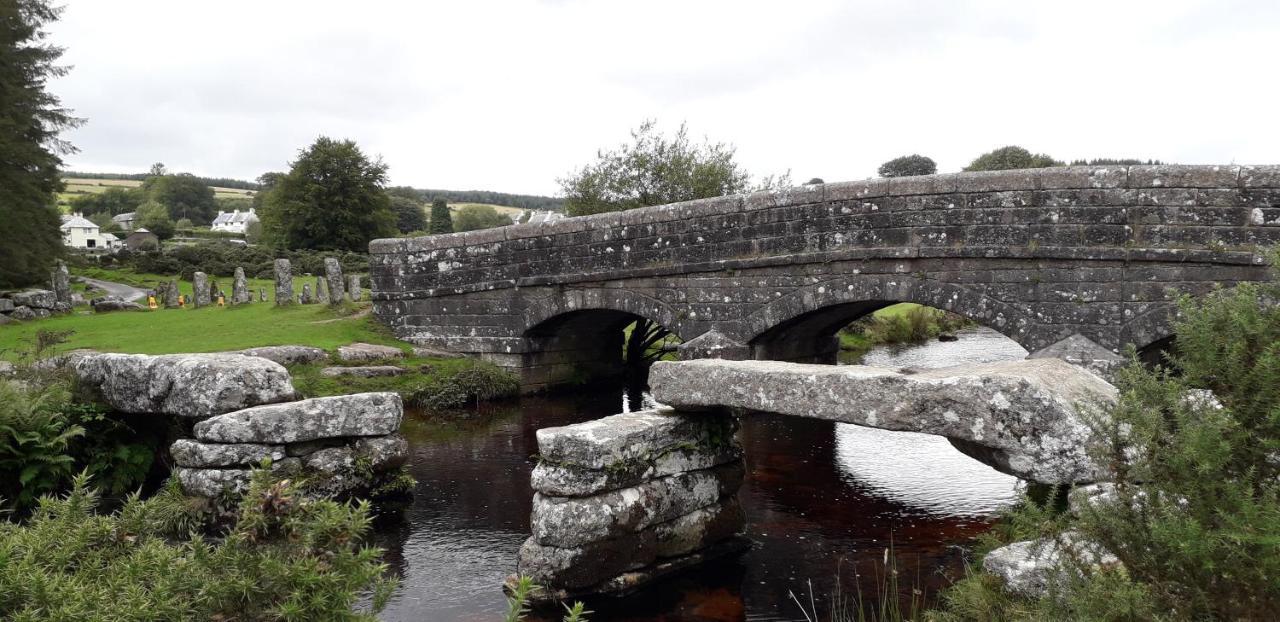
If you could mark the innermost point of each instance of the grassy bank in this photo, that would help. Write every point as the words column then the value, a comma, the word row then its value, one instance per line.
column 901, row 323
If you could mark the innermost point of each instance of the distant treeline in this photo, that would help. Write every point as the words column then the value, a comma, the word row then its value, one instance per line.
column 219, row 182
column 524, row 201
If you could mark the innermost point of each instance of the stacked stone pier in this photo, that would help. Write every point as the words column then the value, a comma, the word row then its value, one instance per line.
column 624, row 500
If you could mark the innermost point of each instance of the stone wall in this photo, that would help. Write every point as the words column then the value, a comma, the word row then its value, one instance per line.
column 1040, row 255
column 622, row 500
column 242, row 409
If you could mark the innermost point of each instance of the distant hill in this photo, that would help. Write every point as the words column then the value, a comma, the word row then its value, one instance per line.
column 488, row 197
column 216, row 182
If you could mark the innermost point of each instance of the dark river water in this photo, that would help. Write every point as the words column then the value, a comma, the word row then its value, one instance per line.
column 823, row 503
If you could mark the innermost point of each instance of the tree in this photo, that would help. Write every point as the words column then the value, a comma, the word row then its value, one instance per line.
column 409, row 214
column 908, row 165
column 1011, row 157
column 154, row 217
column 185, row 195
column 30, row 120
column 653, row 170
column 472, row 217
column 111, row 202
column 441, row 219
column 332, row 198
column 158, row 170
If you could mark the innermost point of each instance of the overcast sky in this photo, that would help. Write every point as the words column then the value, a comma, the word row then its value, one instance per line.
column 509, row 96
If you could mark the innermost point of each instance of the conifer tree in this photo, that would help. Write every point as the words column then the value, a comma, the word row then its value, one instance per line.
column 441, row 221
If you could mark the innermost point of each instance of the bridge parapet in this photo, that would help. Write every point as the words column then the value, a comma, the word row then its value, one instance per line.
column 1038, row 254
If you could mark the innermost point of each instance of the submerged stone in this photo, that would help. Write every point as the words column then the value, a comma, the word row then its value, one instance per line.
column 700, row 528
column 589, row 564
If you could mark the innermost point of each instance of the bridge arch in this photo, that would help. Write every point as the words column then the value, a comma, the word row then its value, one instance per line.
column 802, row 326
column 579, row 334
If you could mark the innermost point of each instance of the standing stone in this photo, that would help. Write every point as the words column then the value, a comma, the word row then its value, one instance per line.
column 200, row 284
column 240, row 289
column 333, row 272
column 305, row 296
column 320, row 293
column 62, row 283
column 284, row 283
column 355, row 288
column 262, row 294
column 171, row 295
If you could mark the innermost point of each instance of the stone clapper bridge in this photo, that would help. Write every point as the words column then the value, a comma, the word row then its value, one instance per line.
column 1041, row 255
column 1073, row 263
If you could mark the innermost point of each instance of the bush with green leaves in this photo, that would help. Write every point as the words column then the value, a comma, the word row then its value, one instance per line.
column 1011, row 157
column 286, row 558
column 1193, row 447
column 35, row 440
column 469, row 382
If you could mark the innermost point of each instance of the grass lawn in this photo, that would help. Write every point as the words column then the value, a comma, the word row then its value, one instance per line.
column 209, row 329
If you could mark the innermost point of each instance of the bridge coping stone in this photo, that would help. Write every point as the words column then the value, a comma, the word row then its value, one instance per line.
column 1053, row 178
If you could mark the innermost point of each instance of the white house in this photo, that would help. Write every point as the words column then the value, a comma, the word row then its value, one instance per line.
column 80, row 232
column 234, row 222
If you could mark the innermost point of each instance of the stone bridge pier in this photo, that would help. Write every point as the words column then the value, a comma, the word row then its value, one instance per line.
column 1081, row 258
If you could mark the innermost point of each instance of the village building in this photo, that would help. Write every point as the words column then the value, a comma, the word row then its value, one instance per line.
column 142, row 239
column 80, row 233
column 234, row 222
column 125, row 221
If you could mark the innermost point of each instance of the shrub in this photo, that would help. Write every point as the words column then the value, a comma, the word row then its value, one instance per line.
column 1192, row 448
column 286, row 558
column 914, row 164
column 35, row 437
column 470, row 381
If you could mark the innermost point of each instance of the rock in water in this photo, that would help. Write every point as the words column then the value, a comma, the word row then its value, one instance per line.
column 240, row 289
column 62, row 283
column 186, row 385
column 355, row 288
column 361, row 414
column 200, row 285
column 284, row 282
column 1025, row 418
column 333, row 272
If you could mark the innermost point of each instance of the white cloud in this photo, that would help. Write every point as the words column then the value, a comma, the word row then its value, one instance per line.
column 511, row 95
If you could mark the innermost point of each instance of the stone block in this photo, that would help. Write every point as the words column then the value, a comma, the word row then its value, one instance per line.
column 583, row 566
column 191, row 453
column 212, row 482
column 700, row 528
column 6, row 305
column 1028, row 415
column 565, row 480
column 617, row 441
column 284, row 282
column 574, row 521
column 288, row 355
column 360, row 352
column 374, row 371
column 383, row 452
column 35, row 299
column 361, row 414
column 186, row 385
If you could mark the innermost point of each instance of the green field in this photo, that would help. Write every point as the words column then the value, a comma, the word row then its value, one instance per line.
column 505, row 210
column 209, row 329
column 77, row 186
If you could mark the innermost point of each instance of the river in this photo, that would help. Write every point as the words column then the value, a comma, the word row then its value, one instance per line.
column 823, row 500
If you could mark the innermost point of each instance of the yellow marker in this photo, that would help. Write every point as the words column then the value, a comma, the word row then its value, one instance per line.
column 182, row 302
column 222, row 301
column 151, row 302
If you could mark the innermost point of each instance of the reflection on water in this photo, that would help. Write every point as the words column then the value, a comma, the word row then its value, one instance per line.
column 820, row 498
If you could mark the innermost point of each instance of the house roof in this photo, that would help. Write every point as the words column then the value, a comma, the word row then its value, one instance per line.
column 78, row 222
column 110, row 237
column 236, row 217
column 125, row 217
column 139, row 230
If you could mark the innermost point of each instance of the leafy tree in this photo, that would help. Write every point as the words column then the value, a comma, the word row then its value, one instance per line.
column 908, row 165
column 331, row 198
column 653, row 170
column 441, row 219
column 185, row 196
column 409, row 214
column 111, row 202
column 158, row 170
column 1011, row 157
column 472, row 217
column 814, row 181
column 30, row 120
column 154, row 217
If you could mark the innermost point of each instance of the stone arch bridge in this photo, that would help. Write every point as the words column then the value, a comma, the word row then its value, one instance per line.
column 1040, row 255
